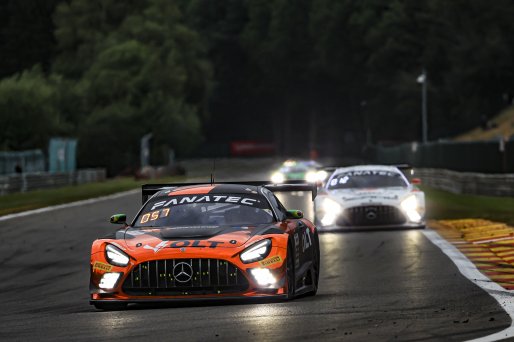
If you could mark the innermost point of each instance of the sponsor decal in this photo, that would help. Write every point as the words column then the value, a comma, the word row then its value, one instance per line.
column 181, row 244
column 206, row 199
column 157, row 248
column 100, row 266
column 369, row 197
column 297, row 250
column 307, row 241
column 270, row 261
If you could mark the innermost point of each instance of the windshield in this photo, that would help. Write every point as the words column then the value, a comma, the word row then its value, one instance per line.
column 199, row 210
column 367, row 179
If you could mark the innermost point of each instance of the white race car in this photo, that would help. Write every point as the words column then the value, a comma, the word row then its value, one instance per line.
column 369, row 196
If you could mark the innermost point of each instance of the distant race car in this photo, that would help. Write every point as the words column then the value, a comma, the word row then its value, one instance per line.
column 203, row 241
column 307, row 170
column 369, row 196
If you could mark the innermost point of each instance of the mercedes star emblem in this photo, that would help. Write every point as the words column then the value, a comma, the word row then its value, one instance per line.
column 371, row 215
column 182, row 272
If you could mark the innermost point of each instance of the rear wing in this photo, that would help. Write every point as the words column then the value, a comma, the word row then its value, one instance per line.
column 406, row 169
column 148, row 190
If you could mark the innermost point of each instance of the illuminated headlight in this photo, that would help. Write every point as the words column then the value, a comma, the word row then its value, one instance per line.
column 109, row 280
column 256, row 252
column 321, row 175
column 316, row 176
column 311, row 176
column 331, row 206
column 116, row 256
column 410, row 206
column 263, row 276
column 331, row 210
column 278, row 177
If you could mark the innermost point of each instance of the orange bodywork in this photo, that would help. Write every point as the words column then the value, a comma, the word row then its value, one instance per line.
column 165, row 266
column 203, row 250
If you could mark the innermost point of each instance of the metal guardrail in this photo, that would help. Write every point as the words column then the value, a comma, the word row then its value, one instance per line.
column 468, row 182
column 45, row 180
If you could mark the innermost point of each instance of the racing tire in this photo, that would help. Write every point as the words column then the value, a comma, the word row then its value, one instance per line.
column 290, row 274
column 316, row 266
column 110, row 306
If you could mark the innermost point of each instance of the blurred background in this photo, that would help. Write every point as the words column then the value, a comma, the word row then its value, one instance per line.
column 120, row 85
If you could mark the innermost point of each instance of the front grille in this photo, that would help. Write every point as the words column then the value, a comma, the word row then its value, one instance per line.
column 175, row 277
column 373, row 216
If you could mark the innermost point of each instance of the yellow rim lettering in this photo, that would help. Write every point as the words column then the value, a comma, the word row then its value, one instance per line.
column 271, row 261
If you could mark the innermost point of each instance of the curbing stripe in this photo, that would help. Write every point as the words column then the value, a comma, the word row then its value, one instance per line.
column 69, row 205
column 468, row 269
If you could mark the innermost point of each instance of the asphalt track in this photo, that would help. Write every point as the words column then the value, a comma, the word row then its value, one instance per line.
column 383, row 286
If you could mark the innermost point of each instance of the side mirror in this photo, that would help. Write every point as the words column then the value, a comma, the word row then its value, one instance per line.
column 119, row 219
column 294, row 214
column 416, row 181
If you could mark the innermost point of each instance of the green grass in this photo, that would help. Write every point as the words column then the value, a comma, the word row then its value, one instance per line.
column 440, row 204
column 445, row 205
column 13, row 203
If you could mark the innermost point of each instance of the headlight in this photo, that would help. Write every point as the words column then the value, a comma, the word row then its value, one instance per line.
column 278, row 177
column 321, row 175
column 331, row 206
column 116, row 256
column 410, row 205
column 311, row 177
column 331, row 210
column 263, row 276
column 256, row 252
column 109, row 280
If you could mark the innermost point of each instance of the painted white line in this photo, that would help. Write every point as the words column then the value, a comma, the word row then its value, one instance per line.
column 69, row 205
column 504, row 297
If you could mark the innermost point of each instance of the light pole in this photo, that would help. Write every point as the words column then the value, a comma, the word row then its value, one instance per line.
column 424, row 127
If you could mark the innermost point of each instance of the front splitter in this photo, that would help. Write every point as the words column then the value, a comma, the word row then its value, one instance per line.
column 190, row 300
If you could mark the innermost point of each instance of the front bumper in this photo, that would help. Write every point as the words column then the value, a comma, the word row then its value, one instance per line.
column 152, row 281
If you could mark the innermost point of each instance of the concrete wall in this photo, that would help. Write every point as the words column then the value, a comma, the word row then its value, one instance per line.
column 467, row 182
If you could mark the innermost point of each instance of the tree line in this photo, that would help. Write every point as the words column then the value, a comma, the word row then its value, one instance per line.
column 301, row 73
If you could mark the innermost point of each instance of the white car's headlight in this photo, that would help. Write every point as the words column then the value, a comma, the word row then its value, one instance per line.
column 331, row 210
column 311, row 176
column 322, row 175
column 316, row 176
column 278, row 177
column 116, row 256
column 256, row 252
column 411, row 207
column 331, row 206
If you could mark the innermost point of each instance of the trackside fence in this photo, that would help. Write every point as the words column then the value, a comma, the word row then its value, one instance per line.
column 468, row 182
column 45, row 180
column 480, row 156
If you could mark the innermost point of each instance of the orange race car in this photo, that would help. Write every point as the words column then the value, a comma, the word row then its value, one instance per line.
column 207, row 241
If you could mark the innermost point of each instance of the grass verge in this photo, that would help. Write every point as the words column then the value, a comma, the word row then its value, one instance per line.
column 18, row 202
column 445, row 205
